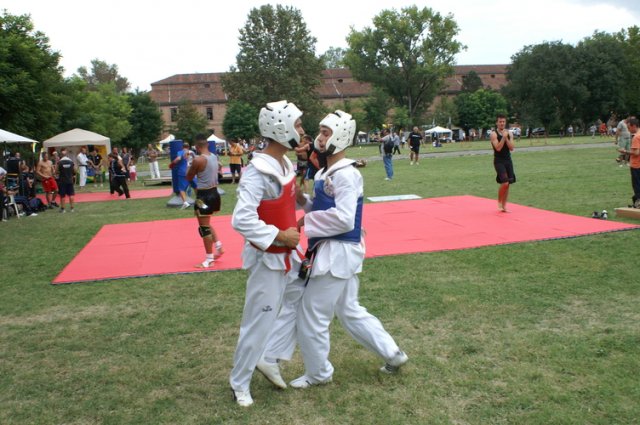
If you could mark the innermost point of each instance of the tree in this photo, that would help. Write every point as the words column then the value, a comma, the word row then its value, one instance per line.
column 631, row 47
column 545, row 84
column 471, row 82
column 407, row 54
column 375, row 109
column 108, row 112
column 276, row 61
column 102, row 73
column 603, row 63
column 145, row 120
column 333, row 58
column 30, row 79
column 189, row 122
column 240, row 121
column 445, row 111
column 480, row 108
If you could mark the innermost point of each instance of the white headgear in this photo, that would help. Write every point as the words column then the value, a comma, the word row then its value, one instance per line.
column 277, row 121
column 343, row 127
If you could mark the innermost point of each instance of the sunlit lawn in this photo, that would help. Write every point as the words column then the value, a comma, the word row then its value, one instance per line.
column 533, row 333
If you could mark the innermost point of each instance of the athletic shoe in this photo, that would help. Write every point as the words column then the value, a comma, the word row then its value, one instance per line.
column 72, row 210
column 185, row 206
column 62, row 211
column 32, row 215
column 387, row 178
column 243, row 398
column 305, row 382
column 393, row 365
column 271, row 371
column 219, row 250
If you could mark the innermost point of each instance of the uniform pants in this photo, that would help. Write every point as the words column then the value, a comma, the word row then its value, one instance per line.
column 83, row 175
column 282, row 342
column 154, row 168
column 325, row 296
column 265, row 288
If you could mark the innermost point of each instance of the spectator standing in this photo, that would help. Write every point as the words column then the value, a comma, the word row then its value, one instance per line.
column 152, row 157
column 396, row 143
column 83, row 163
column 634, row 160
column 181, row 161
column 415, row 140
column 235, row 160
column 46, row 172
column 126, row 160
column 387, row 154
column 623, row 140
column 66, row 173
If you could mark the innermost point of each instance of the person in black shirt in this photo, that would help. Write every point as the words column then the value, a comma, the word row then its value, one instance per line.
column 415, row 140
column 502, row 144
column 66, row 173
column 119, row 176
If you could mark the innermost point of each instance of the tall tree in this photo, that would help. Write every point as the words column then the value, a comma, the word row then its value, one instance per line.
column 276, row 61
column 545, row 84
column 334, row 57
column 108, row 112
column 603, row 65
column 145, row 119
column 407, row 54
column 189, row 122
column 240, row 121
column 471, row 82
column 631, row 47
column 30, row 79
column 375, row 109
column 103, row 73
column 479, row 109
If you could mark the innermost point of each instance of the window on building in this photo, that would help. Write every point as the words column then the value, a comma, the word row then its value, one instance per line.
column 493, row 75
column 207, row 85
column 210, row 114
column 174, row 114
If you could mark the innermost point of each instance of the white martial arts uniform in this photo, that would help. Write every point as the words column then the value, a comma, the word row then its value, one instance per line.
column 263, row 179
column 82, row 168
column 333, row 285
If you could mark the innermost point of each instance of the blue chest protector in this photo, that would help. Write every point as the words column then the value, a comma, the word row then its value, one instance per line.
column 321, row 202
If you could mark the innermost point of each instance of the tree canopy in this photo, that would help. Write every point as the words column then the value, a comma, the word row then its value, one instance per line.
column 30, row 79
column 240, row 121
column 480, row 108
column 103, row 73
column 407, row 54
column 276, row 61
column 189, row 122
column 145, row 120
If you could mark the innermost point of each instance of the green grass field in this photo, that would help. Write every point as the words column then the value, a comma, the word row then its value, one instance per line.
column 533, row 333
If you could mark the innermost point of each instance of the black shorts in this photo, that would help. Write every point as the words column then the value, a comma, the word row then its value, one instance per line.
column 415, row 149
column 235, row 169
column 504, row 172
column 66, row 189
column 207, row 201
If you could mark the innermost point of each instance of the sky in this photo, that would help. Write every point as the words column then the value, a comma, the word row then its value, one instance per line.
column 150, row 40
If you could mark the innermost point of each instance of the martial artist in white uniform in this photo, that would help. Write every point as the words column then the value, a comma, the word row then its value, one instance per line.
column 265, row 216
column 332, row 224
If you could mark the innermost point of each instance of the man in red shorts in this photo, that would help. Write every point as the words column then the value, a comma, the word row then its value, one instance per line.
column 46, row 172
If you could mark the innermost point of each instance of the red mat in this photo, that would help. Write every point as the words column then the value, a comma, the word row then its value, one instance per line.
column 106, row 196
column 404, row 227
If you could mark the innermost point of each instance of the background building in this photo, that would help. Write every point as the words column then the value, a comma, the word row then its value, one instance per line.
column 205, row 91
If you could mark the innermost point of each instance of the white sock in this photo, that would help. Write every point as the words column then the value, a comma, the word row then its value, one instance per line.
column 208, row 260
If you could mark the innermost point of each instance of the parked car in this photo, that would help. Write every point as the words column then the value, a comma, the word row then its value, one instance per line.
column 538, row 131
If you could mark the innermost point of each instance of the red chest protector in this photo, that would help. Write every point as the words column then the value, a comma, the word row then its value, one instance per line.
column 280, row 212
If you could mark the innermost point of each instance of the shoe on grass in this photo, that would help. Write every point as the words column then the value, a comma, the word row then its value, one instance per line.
column 305, row 382
column 393, row 365
column 271, row 371
column 243, row 398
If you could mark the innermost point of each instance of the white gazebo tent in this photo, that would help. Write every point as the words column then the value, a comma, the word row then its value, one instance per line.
column 7, row 137
column 221, row 144
column 76, row 138
column 440, row 130
column 167, row 139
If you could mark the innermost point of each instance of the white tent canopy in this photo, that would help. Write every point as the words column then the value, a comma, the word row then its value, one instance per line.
column 9, row 137
column 77, row 137
column 438, row 130
column 214, row 138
